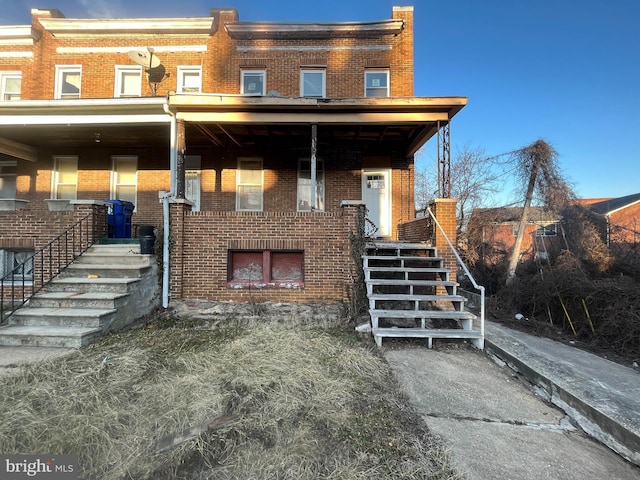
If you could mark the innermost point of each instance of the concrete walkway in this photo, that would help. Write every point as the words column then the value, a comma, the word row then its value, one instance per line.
column 500, row 426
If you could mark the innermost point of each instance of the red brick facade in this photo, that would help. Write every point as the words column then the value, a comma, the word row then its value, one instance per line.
column 361, row 133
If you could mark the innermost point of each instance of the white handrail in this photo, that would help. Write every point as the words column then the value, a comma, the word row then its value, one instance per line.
column 466, row 271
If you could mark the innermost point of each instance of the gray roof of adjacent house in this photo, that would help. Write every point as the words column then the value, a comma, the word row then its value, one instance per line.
column 610, row 205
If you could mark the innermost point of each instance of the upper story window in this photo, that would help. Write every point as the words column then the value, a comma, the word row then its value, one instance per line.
column 376, row 83
column 64, row 181
column 253, row 82
column 189, row 79
column 68, row 81
column 10, row 85
column 128, row 81
column 249, row 180
column 313, row 83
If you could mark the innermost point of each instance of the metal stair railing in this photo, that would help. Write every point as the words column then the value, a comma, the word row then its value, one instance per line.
column 480, row 288
column 33, row 274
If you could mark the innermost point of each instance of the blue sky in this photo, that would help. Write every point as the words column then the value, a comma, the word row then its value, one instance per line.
column 561, row 70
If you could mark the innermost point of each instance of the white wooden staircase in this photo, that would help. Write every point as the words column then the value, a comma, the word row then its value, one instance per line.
column 411, row 296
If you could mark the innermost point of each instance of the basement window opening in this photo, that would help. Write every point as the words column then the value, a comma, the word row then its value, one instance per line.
column 265, row 269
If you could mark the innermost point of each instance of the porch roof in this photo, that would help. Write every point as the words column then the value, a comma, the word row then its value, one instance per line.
column 374, row 125
column 400, row 123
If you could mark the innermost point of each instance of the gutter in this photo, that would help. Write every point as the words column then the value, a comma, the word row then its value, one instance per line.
column 165, row 199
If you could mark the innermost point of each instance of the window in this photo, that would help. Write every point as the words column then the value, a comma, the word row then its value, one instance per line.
column 64, row 179
column 265, row 269
column 550, row 230
column 128, row 81
column 17, row 263
column 249, row 184
column 304, row 186
column 124, row 178
column 312, row 83
column 192, row 180
column 10, row 85
column 253, row 82
column 189, row 79
column 8, row 178
column 376, row 83
column 68, row 81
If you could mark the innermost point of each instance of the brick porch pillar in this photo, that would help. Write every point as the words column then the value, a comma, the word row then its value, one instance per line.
column 444, row 210
column 177, row 210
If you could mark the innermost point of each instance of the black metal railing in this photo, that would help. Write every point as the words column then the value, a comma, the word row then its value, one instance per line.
column 30, row 276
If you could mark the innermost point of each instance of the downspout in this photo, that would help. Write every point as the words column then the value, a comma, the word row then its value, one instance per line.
column 165, row 198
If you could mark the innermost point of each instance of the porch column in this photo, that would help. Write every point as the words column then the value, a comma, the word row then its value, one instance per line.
column 177, row 239
column 444, row 210
column 314, row 148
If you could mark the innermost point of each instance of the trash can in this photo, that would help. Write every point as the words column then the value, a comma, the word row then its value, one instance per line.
column 119, row 218
column 147, row 239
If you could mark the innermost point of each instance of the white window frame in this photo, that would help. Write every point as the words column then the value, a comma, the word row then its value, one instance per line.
column 184, row 87
column 240, row 184
column 320, row 186
column 4, row 93
column 8, row 263
column 55, row 177
column 61, row 70
column 115, row 179
column 315, row 71
column 245, row 73
column 193, row 180
column 121, row 71
column 377, row 88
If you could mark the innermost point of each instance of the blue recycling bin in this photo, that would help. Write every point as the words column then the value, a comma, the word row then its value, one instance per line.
column 119, row 218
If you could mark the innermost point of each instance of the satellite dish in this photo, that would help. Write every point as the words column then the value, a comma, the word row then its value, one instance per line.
column 156, row 74
column 155, row 71
column 146, row 59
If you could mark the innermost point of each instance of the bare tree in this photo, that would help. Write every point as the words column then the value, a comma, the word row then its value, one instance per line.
column 473, row 182
column 537, row 163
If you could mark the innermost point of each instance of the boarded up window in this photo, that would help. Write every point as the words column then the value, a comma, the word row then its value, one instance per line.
column 266, row 269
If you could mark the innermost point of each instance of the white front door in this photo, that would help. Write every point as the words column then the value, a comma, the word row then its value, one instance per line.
column 376, row 193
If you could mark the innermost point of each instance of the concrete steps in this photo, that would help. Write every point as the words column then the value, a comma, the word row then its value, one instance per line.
column 411, row 296
column 48, row 336
column 104, row 289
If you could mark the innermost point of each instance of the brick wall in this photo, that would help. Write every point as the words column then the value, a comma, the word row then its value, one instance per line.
column 416, row 230
column 201, row 241
column 345, row 59
column 28, row 228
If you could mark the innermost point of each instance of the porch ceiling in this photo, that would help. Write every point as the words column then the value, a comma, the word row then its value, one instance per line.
column 378, row 125
column 370, row 125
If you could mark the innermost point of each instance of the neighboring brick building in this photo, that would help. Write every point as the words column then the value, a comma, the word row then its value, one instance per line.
column 256, row 142
column 492, row 231
column 623, row 221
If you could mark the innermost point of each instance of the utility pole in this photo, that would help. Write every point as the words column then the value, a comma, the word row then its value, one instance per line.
column 515, row 255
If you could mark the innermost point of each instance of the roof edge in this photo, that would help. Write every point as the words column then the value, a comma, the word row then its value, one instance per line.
column 318, row 30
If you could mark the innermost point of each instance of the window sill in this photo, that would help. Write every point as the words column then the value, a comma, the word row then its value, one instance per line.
column 239, row 285
column 12, row 204
column 57, row 205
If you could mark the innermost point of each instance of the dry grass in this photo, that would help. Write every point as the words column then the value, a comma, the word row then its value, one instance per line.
column 312, row 401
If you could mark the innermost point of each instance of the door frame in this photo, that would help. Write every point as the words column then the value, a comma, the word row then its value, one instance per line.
column 387, row 173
